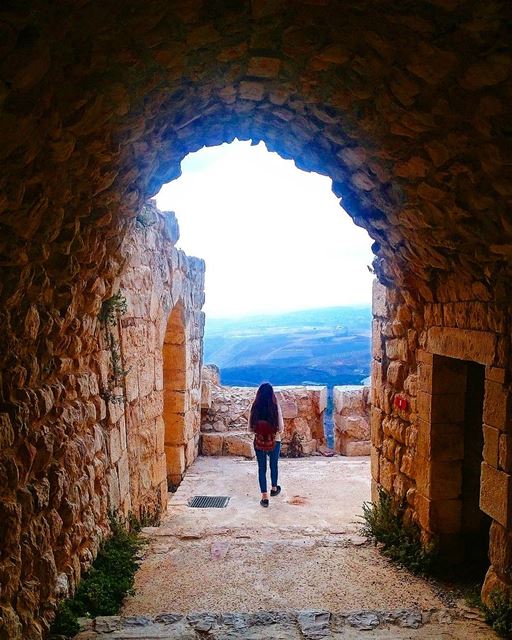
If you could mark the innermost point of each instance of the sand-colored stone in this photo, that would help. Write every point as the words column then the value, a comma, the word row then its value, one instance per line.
column 408, row 118
column 228, row 413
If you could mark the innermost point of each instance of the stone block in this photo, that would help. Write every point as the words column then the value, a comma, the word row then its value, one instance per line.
column 353, row 427
column 438, row 480
column 114, row 498
column 175, row 458
column 211, row 444
column 397, row 349
column 379, row 300
column 289, row 408
column 146, row 375
column 191, row 451
column 377, row 350
column 123, row 471
column 491, row 445
column 442, row 442
column 174, row 402
column 496, row 374
column 350, row 447
column 174, row 429
column 387, row 474
column 505, row 453
column 376, row 426
column 206, row 395
column 131, row 385
column 263, row 67
column 438, row 516
column 396, row 374
column 500, row 548
column 494, row 582
column 309, row 447
column 375, row 457
column 160, row 434
column 496, row 494
column 115, row 444
column 238, row 445
column 464, row 344
column 497, row 406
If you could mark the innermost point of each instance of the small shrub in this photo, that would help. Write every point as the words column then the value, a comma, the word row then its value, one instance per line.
column 498, row 613
column 384, row 523
column 103, row 588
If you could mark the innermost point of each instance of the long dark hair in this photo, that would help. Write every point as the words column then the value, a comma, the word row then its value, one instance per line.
column 264, row 407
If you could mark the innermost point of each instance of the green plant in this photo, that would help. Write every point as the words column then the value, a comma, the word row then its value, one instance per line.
column 111, row 307
column 498, row 613
column 103, row 587
column 383, row 522
column 110, row 311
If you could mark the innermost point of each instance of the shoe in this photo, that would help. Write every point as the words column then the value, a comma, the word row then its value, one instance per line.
column 264, row 503
column 276, row 492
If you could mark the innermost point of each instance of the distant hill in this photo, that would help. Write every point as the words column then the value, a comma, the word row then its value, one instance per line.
column 323, row 346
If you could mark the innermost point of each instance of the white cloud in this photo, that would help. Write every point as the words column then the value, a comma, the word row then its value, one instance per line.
column 274, row 238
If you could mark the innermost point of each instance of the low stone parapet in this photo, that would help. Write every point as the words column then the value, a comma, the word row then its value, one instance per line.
column 352, row 420
column 225, row 415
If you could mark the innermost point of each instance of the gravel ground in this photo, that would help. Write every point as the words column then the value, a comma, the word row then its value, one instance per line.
column 303, row 552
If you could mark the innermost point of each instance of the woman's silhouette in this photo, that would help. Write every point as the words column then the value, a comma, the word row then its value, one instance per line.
column 266, row 422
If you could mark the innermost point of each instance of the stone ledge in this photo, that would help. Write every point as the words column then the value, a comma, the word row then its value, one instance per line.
column 294, row 625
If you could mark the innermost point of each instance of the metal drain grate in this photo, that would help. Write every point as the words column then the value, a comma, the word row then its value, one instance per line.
column 208, row 502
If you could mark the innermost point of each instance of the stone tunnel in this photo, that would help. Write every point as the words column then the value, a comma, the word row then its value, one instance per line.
column 404, row 105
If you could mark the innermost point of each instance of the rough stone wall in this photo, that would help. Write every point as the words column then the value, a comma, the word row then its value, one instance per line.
column 91, row 442
column 225, row 415
column 158, row 281
column 417, row 415
column 351, row 408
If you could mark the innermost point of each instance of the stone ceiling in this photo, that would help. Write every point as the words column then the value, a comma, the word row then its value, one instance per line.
column 406, row 106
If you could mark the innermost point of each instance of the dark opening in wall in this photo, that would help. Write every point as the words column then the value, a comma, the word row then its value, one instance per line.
column 457, row 447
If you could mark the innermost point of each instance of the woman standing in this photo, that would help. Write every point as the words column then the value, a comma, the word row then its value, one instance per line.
column 266, row 422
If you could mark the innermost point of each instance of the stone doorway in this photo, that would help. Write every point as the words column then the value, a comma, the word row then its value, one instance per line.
column 455, row 440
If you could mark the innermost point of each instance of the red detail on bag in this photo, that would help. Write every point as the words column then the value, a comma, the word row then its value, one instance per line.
column 264, row 436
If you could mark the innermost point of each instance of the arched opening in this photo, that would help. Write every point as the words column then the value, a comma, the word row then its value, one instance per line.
column 288, row 295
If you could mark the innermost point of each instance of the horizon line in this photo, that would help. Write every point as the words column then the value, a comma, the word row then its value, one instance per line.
column 282, row 313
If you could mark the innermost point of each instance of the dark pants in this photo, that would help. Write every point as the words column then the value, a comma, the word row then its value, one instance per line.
column 261, row 456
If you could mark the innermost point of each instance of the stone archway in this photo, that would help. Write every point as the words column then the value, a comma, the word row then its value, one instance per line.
column 403, row 105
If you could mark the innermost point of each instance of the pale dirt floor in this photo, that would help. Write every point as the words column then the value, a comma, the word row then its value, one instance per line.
column 303, row 552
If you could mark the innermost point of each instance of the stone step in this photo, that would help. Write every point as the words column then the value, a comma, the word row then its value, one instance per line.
column 301, row 625
column 227, row 443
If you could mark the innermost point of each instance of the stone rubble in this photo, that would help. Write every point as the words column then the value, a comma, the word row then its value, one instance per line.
column 352, row 421
column 273, row 625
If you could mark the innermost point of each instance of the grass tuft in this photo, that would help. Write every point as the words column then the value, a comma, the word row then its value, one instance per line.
column 103, row 588
column 384, row 523
column 498, row 613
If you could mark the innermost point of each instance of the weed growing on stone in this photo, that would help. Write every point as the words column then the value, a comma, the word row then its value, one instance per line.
column 384, row 523
column 110, row 312
column 498, row 613
column 103, row 588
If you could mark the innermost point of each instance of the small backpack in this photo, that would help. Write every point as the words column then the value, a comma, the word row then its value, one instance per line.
column 264, row 436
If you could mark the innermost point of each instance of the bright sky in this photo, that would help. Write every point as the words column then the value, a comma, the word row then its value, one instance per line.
column 274, row 238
